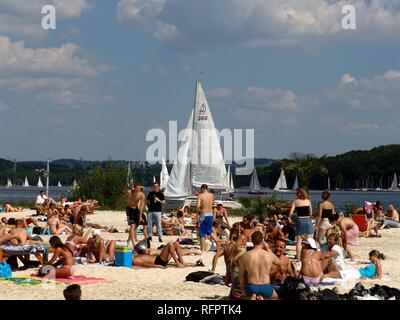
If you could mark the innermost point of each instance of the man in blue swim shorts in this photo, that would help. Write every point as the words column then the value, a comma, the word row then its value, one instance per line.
column 257, row 264
column 205, row 201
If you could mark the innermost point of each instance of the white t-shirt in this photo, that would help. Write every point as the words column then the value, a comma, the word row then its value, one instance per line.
column 40, row 199
column 339, row 259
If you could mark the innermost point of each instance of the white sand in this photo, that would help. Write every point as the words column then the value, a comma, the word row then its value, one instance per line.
column 142, row 283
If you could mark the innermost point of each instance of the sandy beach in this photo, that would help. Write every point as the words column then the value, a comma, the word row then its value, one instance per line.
column 141, row 283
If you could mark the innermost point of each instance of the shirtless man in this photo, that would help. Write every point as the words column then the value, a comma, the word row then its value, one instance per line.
column 257, row 263
column 311, row 263
column 136, row 201
column 171, row 250
column 204, row 205
column 278, row 274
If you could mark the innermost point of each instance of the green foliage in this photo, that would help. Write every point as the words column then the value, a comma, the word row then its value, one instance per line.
column 350, row 208
column 263, row 207
column 103, row 183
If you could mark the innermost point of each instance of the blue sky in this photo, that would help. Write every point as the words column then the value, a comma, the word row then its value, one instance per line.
column 112, row 70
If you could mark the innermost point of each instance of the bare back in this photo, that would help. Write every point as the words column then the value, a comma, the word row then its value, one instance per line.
column 205, row 201
column 257, row 263
column 311, row 263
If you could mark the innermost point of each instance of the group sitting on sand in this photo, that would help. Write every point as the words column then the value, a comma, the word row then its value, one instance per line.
column 257, row 263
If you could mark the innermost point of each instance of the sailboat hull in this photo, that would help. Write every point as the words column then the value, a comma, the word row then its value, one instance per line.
column 259, row 192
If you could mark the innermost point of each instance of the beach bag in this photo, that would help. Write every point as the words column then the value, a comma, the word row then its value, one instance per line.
column 198, row 275
column 5, row 270
column 186, row 241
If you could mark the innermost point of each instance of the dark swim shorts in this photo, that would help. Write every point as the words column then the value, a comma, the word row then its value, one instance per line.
column 133, row 216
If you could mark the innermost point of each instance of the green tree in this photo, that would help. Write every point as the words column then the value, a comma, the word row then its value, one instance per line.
column 103, row 183
column 306, row 167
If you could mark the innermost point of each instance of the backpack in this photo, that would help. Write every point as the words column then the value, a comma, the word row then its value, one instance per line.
column 5, row 270
column 198, row 275
column 294, row 289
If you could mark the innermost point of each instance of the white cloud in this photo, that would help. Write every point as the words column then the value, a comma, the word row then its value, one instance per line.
column 348, row 79
column 220, row 93
column 16, row 57
column 23, row 18
column 192, row 24
column 3, row 107
column 272, row 99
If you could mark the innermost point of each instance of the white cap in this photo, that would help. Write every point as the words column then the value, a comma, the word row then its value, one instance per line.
column 311, row 242
column 96, row 232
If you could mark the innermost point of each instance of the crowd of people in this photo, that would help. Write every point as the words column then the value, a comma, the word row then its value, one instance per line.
column 255, row 249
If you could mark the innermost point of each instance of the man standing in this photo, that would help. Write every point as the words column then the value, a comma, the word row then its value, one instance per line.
column 155, row 201
column 257, row 263
column 134, row 211
column 205, row 201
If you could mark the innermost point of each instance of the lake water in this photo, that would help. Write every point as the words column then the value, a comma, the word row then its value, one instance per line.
column 340, row 198
column 21, row 194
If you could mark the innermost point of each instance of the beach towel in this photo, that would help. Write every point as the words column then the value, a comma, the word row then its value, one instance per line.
column 80, row 279
column 23, row 281
column 25, row 249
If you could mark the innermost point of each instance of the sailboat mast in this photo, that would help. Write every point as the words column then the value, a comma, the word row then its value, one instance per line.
column 193, row 120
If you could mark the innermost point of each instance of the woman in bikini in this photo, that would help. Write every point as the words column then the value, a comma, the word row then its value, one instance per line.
column 55, row 225
column 325, row 211
column 311, row 263
column 76, row 242
column 62, row 259
column 371, row 271
column 100, row 250
column 220, row 214
column 303, row 227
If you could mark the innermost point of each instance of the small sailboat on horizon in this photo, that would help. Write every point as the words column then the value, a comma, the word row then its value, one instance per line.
column 9, row 183
column 295, row 184
column 255, row 187
column 59, row 184
column 26, row 183
column 281, row 185
column 164, row 175
column 40, row 184
column 395, row 183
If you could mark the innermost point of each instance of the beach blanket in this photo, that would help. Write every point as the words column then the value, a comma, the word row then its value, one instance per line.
column 27, row 281
column 80, row 279
column 25, row 249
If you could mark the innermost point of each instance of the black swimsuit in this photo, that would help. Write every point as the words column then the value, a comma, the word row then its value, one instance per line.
column 326, row 213
column 160, row 262
column 303, row 211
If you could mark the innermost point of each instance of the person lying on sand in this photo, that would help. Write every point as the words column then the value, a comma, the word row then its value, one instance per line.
column 371, row 271
column 62, row 260
column 9, row 208
column 171, row 250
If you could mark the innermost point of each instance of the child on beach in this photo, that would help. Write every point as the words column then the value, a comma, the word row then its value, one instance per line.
column 371, row 271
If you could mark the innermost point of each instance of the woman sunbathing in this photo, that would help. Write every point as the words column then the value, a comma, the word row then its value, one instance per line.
column 55, row 225
column 372, row 270
column 9, row 208
column 76, row 242
column 62, row 260
column 100, row 250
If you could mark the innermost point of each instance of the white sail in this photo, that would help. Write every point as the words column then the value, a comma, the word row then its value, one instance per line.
column 229, row 180
column 164, row 176
column 254, row 183
column 296, row 183
column 40, row 184
column 26, row 183
column 59, row 184
column 129, row 178
column 281, row 184
column 179, row 182
column 154, row 179
column 9, row 183
column 395, row 183
column 200, row 160
column 329, row 183
column 74, row 185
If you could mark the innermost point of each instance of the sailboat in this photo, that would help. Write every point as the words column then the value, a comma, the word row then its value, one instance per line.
column 281, row 185
column 26, row 183
column 255, row 187
column 59, row 184
column 295, row 184
column 9, row 183
column 329, row 183
column 164, row 176
column 229, row 181
column 193, row 166
column 75, row 185
column 40, row 184
column 395, row 183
